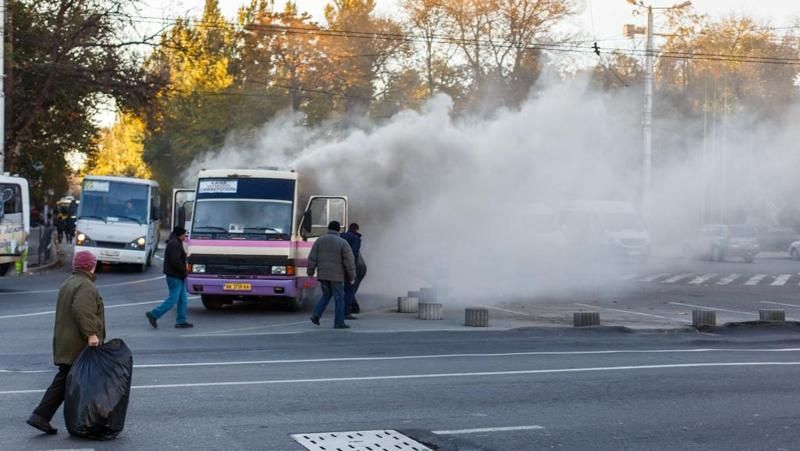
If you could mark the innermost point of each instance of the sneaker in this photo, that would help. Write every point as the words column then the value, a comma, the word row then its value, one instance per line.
column 152, row 319
column 341, row 326
column 41, row 424
column 350, row 317
column 315, row 319
column 184, row 326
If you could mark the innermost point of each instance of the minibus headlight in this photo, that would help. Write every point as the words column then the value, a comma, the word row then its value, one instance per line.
column 138, row 243
column 82, row 240
column 199, row 269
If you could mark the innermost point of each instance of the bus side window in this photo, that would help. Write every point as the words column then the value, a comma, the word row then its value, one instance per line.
column 12, row 203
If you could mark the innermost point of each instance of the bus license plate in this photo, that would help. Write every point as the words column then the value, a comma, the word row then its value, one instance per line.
column 237, row 287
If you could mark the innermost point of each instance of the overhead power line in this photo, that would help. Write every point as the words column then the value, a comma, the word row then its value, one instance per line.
column 586, row 47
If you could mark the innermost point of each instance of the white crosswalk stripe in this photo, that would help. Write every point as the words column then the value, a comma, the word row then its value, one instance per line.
column 781, row 280
column 702, row 279
column 772, row 280
column 678, row 278
column 654, row 277
column 755, row 279
column 727, row 280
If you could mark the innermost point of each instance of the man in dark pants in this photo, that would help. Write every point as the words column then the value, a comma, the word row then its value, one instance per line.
column 353, row 238
column 80, row 321
column 176, row 272
column 332, row 259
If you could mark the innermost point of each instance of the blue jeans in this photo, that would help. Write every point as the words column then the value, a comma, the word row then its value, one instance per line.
column 349, row 297
column 177, row 294
column 335, row 290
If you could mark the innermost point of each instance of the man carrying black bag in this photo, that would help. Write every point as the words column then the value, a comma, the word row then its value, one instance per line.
column 80, row 322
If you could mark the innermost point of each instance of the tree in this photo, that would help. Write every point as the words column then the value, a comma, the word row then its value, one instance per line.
column 120, row 149
column 428, row 20
column 501, row 41
column 68, row 60
column 360, row 48
column 192, row 114
column 733, row 61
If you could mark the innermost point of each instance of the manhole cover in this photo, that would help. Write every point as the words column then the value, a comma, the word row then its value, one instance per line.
column 359, row 441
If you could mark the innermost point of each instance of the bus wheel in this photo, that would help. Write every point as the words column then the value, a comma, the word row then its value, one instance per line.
column 4, row 269
column 212, row 302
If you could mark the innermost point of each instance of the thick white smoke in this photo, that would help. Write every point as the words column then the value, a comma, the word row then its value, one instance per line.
column 444, row 201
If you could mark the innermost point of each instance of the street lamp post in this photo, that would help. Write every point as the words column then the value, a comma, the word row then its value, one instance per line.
column 645, row 196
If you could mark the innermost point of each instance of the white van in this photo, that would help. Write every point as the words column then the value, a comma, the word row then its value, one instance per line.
column 119, row 219
column 15, row 225
column 610, row 228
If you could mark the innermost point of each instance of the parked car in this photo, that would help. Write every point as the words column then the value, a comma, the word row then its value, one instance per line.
column 605, row 228
column 718, row 242
column 794, row 250
column 777, row 238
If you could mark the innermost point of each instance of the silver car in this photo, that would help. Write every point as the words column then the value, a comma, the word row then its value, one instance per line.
column 718, row 242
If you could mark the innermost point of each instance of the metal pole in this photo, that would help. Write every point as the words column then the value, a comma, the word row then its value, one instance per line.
column 2, row 85
column 647, row 121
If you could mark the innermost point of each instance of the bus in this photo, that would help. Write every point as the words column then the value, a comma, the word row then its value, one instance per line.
column 119, row 220
column 15, row 222
column 250, row 239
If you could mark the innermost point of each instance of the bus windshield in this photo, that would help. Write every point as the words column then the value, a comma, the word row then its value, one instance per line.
column 251, row 208
column 243, row 216
column 113, row 201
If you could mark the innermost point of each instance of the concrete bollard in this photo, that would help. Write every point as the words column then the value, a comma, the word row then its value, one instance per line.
column 702, row 318
column 407, row 304
column 584, row 319
column 772, row 315
column 427, row 295
column 428, row 310
column 476, row 317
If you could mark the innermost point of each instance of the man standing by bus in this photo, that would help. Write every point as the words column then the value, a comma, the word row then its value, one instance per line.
column 353, row 238
column 176, row 272
column 331, row 258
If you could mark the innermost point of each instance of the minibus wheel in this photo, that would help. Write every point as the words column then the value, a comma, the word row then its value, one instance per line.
column 212, row 302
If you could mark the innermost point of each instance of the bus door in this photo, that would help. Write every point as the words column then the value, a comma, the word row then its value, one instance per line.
column 320, row 211
column 182, row 208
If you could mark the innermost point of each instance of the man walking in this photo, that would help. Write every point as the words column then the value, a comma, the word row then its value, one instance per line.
column 176, row 272
column 80, row 321
column 353, row 238
column 332, row 259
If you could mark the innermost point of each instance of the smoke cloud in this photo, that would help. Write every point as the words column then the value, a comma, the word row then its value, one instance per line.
column 445, row 201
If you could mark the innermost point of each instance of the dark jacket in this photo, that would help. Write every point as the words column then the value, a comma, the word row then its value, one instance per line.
column 354, row 240
column 332, row 258
column 79, row 315
column 175, row 259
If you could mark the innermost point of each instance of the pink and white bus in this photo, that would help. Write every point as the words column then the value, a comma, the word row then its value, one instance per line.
column 250, row 237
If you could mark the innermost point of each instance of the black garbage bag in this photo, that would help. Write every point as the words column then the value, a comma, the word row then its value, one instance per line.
column 97, row 391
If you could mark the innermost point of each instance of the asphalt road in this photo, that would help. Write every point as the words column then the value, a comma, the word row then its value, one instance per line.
column 251, row 377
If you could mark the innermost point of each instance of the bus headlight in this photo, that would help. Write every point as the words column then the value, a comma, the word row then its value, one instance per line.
column 279, row 271
column 138, row 243
column 199, row 269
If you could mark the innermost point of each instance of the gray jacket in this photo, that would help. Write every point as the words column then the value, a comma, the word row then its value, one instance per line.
column 332, row 259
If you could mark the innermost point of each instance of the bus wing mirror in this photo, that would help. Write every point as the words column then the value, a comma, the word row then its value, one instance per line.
column 305, row 230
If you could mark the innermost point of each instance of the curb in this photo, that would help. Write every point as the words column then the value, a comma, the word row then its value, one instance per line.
column 37, row 269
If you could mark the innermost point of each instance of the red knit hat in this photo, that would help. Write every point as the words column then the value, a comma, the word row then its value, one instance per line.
column 84, row 260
